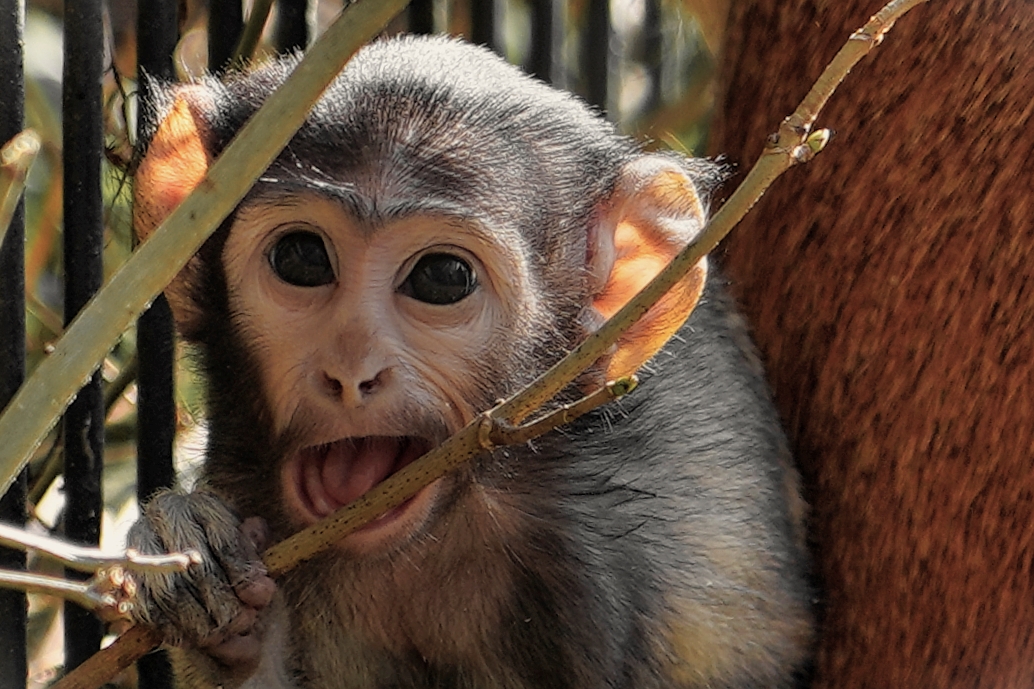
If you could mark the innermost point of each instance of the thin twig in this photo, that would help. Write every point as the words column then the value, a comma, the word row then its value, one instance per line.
column 109, row 594
column 502, row 433
column 79, row 592
column 103, row 665
column 86, row 559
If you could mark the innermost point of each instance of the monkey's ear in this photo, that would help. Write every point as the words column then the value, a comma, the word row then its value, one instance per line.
column 177, row 159
column 653, row 213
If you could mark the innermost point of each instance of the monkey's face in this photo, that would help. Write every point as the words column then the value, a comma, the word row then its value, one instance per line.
column 437, row 234
column 375, row 342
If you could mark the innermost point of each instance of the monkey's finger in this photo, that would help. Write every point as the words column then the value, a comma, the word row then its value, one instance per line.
column 259, row 590
column 189, row 620
column 232, row 546
column 256, row 593
column 242, row 624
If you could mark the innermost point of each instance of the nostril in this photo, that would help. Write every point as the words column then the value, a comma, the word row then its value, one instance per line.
column 334, row 385
column 354, row 393
column 368, row 387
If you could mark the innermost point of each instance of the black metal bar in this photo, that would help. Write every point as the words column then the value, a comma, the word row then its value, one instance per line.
column 483, row 23
column 652, row 40
column 13, row 664
column 155, row 408
column 421, row 16
column 156, row 412
column 596, row 53
column 292, row 27
column 157, row 29
column 83, row 147
column 13, row 605
column 225, row 24
column 546, row 39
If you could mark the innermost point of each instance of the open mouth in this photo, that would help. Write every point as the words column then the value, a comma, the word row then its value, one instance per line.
column 327, row 477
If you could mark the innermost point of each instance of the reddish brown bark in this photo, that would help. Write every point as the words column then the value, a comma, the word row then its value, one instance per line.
column 891, row 286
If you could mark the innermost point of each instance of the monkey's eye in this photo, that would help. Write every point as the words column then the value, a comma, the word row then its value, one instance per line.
column 299, row 258
column 440, row 279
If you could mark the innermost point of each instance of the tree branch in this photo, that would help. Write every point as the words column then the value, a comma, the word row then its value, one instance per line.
column 86, row 559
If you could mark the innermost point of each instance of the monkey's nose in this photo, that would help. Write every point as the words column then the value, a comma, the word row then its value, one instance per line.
column 357, row 393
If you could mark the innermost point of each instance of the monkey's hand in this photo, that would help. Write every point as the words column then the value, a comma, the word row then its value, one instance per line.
column 213, row 607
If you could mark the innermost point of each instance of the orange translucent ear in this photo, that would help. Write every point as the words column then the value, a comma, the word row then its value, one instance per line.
column 654, row 214
column 176, row 161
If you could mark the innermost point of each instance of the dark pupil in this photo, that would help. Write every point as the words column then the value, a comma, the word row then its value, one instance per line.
column 300, row 258
column 440, row 279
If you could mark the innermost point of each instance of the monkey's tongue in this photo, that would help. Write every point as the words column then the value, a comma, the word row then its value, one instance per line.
column 337, row 474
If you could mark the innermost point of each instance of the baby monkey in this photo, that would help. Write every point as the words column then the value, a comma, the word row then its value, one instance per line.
column 441, row 230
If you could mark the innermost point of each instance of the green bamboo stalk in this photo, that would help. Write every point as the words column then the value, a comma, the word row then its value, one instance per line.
column 53, row 385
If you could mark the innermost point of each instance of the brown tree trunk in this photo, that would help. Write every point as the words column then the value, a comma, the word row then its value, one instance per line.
column 890, row 283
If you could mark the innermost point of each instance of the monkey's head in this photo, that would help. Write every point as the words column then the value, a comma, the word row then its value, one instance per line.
column 439, row 231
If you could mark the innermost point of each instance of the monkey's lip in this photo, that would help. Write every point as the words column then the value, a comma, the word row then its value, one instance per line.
column 328, row 476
